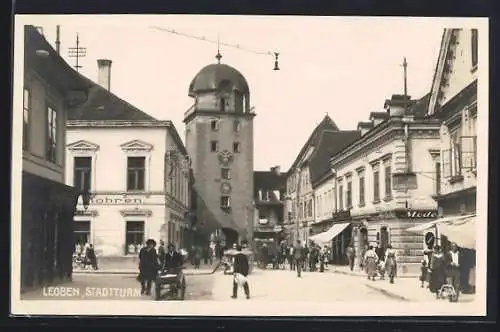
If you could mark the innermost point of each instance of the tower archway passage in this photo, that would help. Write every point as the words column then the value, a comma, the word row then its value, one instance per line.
column 231, row 236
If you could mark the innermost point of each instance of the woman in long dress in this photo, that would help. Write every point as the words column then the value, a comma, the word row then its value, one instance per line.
column 390, row 263
column 437, row 269
column 371, row 261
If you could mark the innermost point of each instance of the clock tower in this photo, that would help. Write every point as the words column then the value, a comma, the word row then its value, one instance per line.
column 219, row 140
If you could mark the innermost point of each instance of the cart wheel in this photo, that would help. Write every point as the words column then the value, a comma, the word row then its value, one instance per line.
column 157, row 292
column 182, row 290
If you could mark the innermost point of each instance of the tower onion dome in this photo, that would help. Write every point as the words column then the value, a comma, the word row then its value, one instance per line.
column 216, row 76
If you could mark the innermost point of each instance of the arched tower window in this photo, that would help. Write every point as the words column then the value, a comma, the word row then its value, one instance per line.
column 222, row 104
column 244, row 103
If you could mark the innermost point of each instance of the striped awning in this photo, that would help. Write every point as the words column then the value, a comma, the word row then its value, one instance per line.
column 325, row 237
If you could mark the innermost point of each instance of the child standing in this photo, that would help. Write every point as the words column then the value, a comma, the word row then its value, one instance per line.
column 423, row 273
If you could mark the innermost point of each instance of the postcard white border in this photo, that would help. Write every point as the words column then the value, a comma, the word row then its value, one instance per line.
column 253, row 307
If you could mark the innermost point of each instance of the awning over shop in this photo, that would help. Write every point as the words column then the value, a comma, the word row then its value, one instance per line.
column 426, row 226
column 462, row 232
column 330, row 234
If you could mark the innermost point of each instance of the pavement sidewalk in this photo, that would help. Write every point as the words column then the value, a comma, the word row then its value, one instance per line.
column 361, row 273
column 409, row 290
column 130, row 267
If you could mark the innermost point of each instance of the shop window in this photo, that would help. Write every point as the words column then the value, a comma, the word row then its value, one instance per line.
column 134, row 236
column 26, row 118
column 51, row 154
column 384, row 237
column 136, row 169
column 81, row 233
column 82, row 170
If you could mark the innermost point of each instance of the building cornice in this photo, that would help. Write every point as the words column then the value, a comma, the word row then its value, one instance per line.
column 118, row 124
column 380, row 135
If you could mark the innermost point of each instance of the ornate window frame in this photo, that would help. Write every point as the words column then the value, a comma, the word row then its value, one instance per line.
column 83, row 148
column 138, row 148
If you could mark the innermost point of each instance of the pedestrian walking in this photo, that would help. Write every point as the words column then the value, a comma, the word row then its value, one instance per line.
column 240, row 271
column 351, row 253
column 438, row 274
column 148, row 266
column 197, row 257
column 390, row 264
column 291, row 259
column 299, row 255
column 91, row 256
column 423, row 273
column 453, row 259
column 371, row 260
column 161, row 253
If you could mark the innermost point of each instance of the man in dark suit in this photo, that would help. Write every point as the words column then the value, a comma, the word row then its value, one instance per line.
column 299, row 256
column 241, row 266
column 173, row 260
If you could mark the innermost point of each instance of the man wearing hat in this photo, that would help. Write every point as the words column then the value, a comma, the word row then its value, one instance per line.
column 148, row 266
column 173, row 260
column 241, row 269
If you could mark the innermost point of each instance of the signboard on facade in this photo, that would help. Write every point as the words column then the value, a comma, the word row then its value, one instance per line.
column 418, row 214
column 113, row 200
column 341, row 215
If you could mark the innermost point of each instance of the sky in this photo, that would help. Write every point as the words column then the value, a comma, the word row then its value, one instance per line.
column 343, row 67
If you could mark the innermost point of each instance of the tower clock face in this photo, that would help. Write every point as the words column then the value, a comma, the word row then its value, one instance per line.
column 225, row 188
column 225, row 157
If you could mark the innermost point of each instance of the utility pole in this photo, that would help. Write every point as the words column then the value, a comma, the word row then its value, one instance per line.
column 405, row 77
column 406, row 127
column 77, row 52
column 58, row 40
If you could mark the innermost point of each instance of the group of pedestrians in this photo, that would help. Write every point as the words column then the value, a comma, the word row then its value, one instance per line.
column 151, row 261
column 85, row 256
column 380, row 263
column 302, row 258
column 440, row 269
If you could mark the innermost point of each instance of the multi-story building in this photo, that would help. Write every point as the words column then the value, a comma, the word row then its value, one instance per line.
column 269, row 194
column 385, row 179
column 136, row 169
column 310, row 169
column 324, row 186
column 47, row 204
column 454, row 101
column 219, row 139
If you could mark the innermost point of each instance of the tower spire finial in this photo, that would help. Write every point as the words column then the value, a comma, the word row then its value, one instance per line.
column 218, row 56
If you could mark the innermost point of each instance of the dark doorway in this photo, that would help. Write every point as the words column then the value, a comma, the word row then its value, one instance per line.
column 231, row 236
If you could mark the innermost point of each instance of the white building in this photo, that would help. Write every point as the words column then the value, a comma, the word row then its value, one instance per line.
column 454, row 102
column 135, row 167
column 400, row 145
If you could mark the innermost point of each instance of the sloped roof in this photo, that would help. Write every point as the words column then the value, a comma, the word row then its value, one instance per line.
column 104, row 105
column 330, row 143
column 419, row 107
column 326, row 124
column 269, row 180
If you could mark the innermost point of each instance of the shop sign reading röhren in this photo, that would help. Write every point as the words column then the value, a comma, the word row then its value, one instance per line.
column 107, row 200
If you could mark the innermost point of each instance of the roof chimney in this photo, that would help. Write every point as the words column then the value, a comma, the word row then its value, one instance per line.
column 104, row 73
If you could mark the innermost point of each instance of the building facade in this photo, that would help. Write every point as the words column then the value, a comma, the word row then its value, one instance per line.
column 219, row 139
column 136, row 169
column 386, row 179
column 269, row 194
column 299, row 191
column 50, row 85
column 454, row 102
